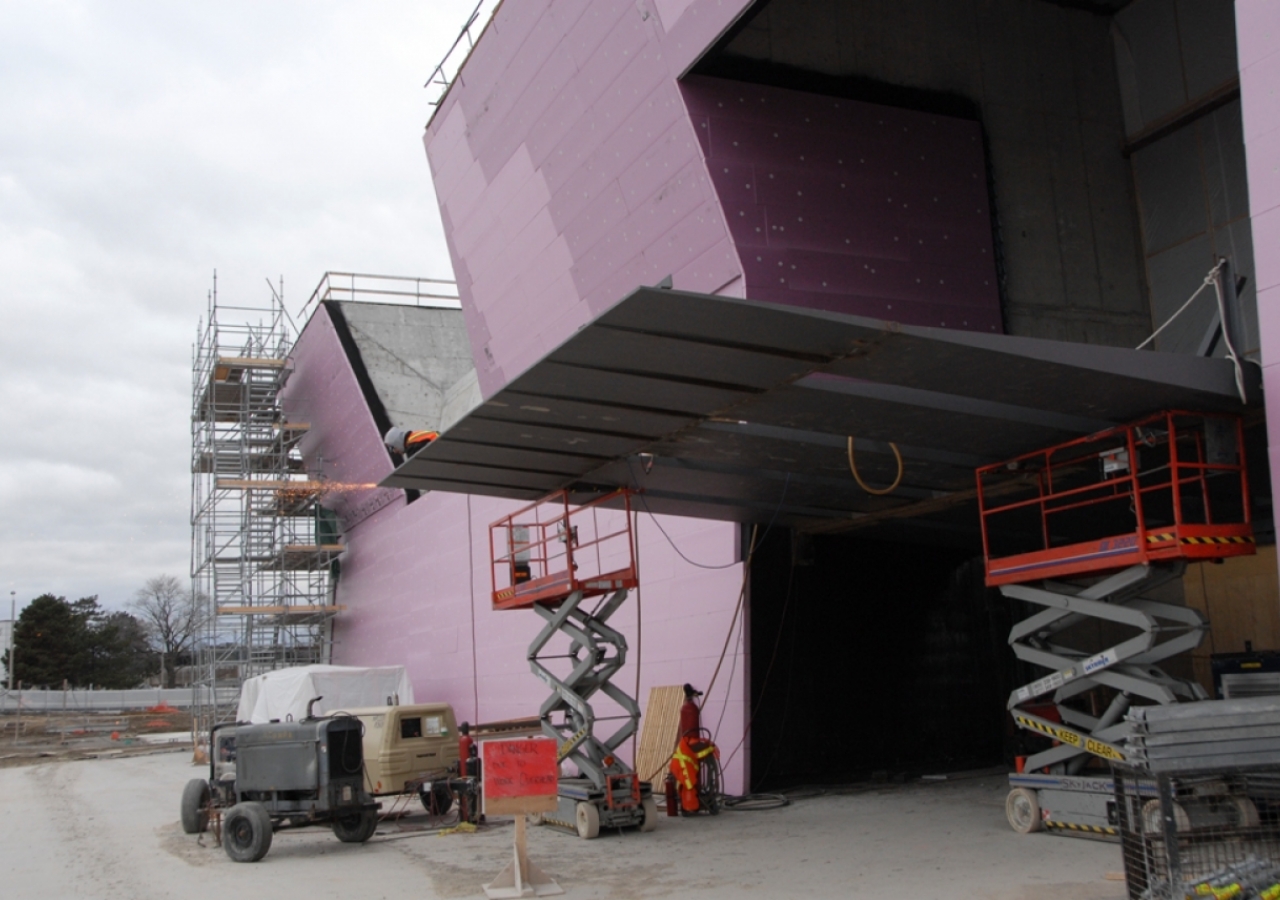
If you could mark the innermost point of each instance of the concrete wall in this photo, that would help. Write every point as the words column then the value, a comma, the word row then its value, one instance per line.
column 416, row 585
column 1172, row 56
column 851, row 207
column 419, row 353
column 568, row 172
column 1042, row 79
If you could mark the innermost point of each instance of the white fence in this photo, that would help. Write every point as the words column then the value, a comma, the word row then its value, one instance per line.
column 40, row 701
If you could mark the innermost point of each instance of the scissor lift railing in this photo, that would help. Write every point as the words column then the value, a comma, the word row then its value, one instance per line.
column 1100, row 522
column 549, row 550
column 552, row 557
column 1169, row 487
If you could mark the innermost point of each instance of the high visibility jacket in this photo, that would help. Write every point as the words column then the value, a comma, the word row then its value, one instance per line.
column 684, row 766
column 417, row 438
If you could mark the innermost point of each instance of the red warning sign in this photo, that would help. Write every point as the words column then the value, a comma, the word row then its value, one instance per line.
column 519, row 776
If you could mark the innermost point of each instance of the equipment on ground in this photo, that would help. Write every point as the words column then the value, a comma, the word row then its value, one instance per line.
column 1198, row 800
column 300, row 691
column 1101, row 523
column 695, row 768
column 1253, row 673
column 263, row 778
column 412, row 749
column 555, row 560
column 693, row 777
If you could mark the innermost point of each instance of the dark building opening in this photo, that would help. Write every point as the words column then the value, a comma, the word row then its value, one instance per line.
column 872, row 656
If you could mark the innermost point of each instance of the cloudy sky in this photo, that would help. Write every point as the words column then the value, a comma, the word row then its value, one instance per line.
column 143, row 146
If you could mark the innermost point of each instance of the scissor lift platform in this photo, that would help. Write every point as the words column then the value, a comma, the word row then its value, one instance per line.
column 552, row 557
column 1086, row 530
column 1169, row 487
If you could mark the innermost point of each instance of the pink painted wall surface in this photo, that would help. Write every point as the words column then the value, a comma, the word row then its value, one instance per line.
column 851, row 207
column 572, row 167
column 342, row 445
column 415, row 579
column 568, row 172
column 1258, row 42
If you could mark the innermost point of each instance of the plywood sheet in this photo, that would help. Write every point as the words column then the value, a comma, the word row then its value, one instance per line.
column 659, row 732
column 1241, row 602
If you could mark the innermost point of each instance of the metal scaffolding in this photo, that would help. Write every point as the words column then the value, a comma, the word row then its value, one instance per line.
column 263, row 549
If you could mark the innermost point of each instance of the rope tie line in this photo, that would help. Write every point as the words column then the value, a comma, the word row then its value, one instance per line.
column 1210, row 279
column 1226, row 335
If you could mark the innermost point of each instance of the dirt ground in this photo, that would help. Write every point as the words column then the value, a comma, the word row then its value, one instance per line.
column 108, row 828
column 87, row 735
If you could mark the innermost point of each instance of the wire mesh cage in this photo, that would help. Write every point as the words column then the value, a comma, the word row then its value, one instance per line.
column 1200, row 834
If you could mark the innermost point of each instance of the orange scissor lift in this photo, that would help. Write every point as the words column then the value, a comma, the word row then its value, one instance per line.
column 554, row 558
column 1087, row 530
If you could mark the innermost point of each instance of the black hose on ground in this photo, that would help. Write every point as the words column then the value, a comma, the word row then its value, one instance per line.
column 754, row 802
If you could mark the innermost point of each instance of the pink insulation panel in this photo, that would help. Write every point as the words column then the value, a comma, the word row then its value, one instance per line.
column 568, row 172
column 342, row 444
column 850, row 207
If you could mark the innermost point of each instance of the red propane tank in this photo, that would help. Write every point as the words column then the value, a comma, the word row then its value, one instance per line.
column 690, row 713
column 465, row 743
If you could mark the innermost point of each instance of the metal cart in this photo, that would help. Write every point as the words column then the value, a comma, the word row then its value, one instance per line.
column 1198, row 801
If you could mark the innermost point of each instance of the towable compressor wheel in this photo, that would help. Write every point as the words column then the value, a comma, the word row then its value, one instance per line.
column 246, row 832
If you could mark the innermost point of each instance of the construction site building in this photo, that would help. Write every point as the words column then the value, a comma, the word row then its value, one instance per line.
column 712, row 250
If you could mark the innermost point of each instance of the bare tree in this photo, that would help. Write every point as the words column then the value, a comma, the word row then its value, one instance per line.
column 173, row 616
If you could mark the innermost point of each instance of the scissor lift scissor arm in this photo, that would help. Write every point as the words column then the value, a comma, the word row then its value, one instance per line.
column 1087, row 531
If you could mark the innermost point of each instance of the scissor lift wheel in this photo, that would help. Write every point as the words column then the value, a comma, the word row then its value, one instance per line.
column 1023, row 810
column 587, row 817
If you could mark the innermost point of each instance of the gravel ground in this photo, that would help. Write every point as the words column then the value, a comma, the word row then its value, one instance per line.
column 108, row 828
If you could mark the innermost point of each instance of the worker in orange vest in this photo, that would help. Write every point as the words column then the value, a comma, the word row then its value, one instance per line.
column 690, row 753
column 692, row 749
column 406, row 442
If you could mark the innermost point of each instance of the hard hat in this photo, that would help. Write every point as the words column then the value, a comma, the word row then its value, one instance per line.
column 395, row 438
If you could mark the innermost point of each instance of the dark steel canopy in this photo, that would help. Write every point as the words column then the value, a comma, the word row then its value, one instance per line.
column 731, row 409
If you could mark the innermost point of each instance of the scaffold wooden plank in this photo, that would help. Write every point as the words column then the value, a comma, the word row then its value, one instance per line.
column 322, row 610
column 250, row 362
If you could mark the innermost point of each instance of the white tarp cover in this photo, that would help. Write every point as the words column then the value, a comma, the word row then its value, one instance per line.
column 285, row 693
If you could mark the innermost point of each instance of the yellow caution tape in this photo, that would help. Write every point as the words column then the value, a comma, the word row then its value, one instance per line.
column 567, row 747
column 1163, row 536
column 1064, row 735
column 1089, row 829
column 1072, row 738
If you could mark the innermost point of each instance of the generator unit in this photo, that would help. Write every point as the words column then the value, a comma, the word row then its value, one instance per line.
column 411, row 748
column 281, row 775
